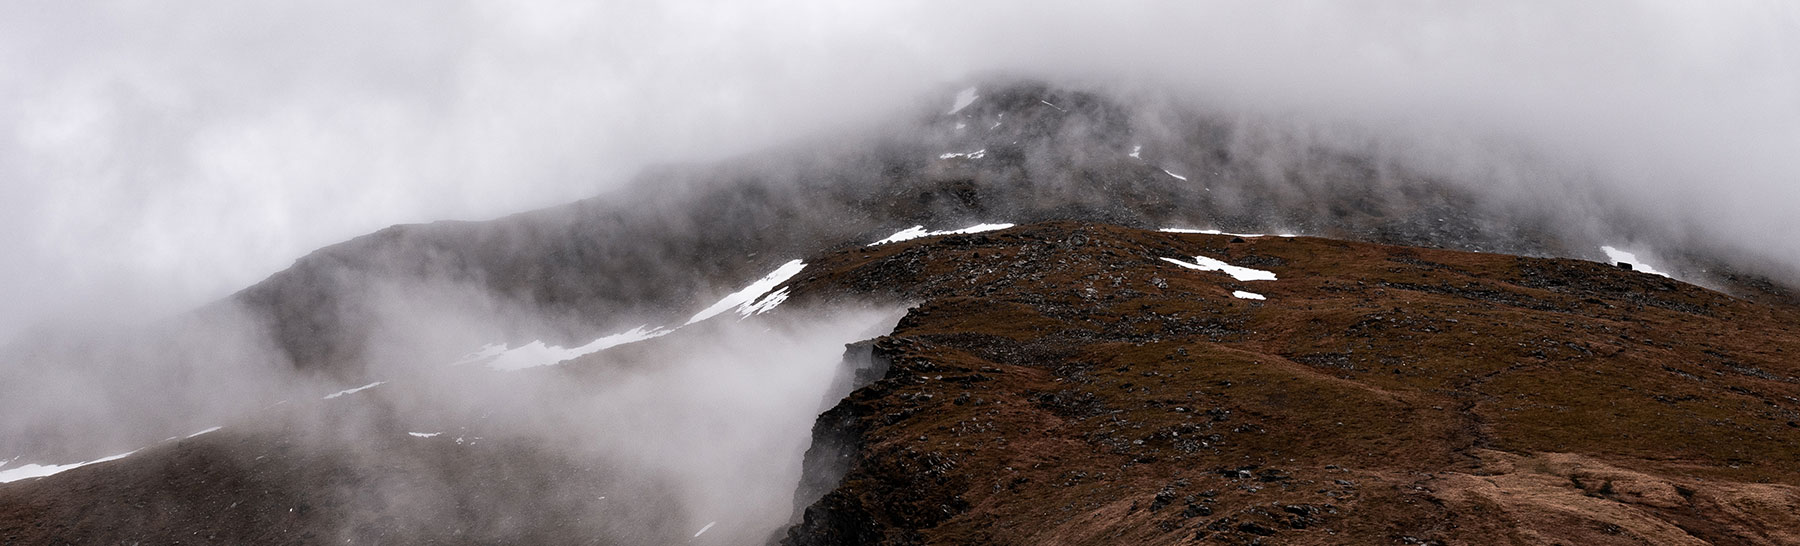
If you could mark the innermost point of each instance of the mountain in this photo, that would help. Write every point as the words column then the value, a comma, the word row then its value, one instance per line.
column 1019, row 151
column 1427, row 362
column 1085, row 383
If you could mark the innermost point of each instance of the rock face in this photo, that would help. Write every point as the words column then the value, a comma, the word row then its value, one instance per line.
column 1063, row 384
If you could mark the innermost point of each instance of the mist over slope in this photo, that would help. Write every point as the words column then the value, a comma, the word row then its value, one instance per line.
column 679, row 236
column 699, row 430
column 157, row 159
column 1017, row 151
column 131, row 131
column 1061, row 382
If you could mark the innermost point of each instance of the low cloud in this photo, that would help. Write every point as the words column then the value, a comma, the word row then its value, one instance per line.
column 158, row 156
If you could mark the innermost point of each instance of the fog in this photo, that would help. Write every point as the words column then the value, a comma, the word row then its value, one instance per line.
column 702, row 429
column 696, row 436
column 158, row 156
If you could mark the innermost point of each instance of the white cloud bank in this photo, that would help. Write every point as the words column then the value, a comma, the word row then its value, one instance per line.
column 155, row 155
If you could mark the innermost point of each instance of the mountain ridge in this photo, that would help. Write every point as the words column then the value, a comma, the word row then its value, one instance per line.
column 1051, row 153
column 1497, row 388
column 1070, row 382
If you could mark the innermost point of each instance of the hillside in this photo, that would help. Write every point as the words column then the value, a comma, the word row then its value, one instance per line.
column 1018, row 151
column 1065, row 384
column 1071, row 383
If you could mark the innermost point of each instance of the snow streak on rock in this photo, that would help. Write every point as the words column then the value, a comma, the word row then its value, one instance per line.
column 1620, row 256
column 919, row 231
column 963, row 99
column 352, row 391
column 1211, row 232
column 764, row 305
column 484, row 354
column 904, row 235
column 1240, row 273
column 538, row 353
column 1217, row 232
column 743, row 298
column 38, row 471
column 977, row 154
column 755, row 299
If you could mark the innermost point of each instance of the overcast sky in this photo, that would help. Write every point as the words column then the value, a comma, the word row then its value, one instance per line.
column 155, row 155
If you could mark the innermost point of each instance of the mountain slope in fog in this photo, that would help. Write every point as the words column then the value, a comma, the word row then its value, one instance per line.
column 1002, row 152
column 1075, row 380
column 1064, row 382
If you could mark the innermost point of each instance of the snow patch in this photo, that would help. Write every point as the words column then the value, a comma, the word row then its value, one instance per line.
column 703, row 529
column 424, row 434
column 1240, row 294
column 352, row 391
column 903, row 235
column 486, row 353
column 1136, row 152
column 1058, row 108
column 977, row 154
column 960, row 125
column 764, row 305
column 40, row 470
column 743, row 299
column 1624, row 257
column 964, row 98
column 1211, row 232
column 1166, row 171
column 538, row 353
column 919, row 231
column 1240, row 273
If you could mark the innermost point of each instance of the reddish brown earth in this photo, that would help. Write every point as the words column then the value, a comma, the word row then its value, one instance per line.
column 1060, row 383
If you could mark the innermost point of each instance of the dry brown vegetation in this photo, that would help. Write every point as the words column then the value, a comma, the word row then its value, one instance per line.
column 1060, row 384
